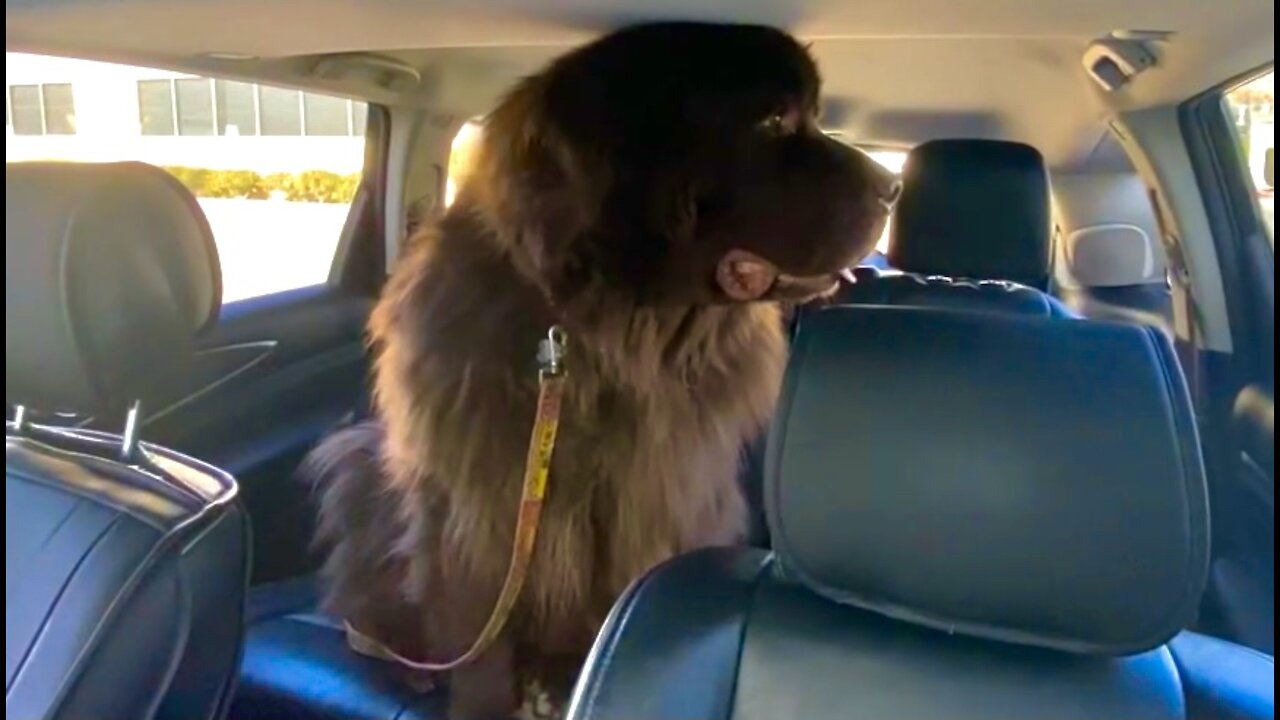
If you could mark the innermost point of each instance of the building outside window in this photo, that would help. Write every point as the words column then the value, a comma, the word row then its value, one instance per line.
column 200, row 106
column 45, row 109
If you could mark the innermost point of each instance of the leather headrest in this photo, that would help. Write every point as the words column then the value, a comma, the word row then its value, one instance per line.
column 1110, row 230
column 110, row 271
column 1014, row 478
column 974, row 209
column 1114, row 256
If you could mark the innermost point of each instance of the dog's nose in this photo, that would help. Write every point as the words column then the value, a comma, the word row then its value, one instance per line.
column 889, row 196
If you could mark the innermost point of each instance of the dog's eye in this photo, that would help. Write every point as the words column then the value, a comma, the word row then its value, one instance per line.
column 780, row 122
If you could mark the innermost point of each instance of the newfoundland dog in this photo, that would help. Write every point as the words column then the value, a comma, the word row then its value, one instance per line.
column 658, row 195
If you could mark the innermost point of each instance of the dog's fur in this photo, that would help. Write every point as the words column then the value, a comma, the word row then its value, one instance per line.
column 609, row 191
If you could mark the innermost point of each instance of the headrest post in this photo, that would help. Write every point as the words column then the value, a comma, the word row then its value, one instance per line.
column 19, row 418
column 129, row 438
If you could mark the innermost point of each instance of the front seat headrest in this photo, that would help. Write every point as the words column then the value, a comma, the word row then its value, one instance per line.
column 1012, row 478
column 110, row 271
column 975, row 209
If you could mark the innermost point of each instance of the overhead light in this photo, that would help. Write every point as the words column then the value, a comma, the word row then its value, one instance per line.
column 368, row 68
column 1113, row 63
column 1143, row 35
column 230, row 56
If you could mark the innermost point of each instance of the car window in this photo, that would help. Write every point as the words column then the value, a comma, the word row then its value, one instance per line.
column 1253, row 108
column 461, row 159
column 891, row 160
column 274, row 169
column 462, row 154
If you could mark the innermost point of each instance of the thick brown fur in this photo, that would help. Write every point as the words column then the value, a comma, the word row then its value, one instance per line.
column 580, row 214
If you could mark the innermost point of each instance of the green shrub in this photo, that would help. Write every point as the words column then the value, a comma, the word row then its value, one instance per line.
column 234, row 184
column 196, row 179
column 347, row 187
column 318, row 186
column 308, row 186
column 275, row 182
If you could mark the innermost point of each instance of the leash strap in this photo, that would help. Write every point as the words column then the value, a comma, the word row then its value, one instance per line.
column 537, row 471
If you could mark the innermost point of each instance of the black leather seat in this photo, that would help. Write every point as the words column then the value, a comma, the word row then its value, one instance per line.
column 297, row 665
column 125, row 563
column 873, row 286
column 975, row 516
column 970, row 232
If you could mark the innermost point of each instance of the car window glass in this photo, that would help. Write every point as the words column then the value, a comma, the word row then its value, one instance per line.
column 274, row 169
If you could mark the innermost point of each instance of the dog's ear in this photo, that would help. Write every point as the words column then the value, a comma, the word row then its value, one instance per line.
column 744, row 276
column 542, row 188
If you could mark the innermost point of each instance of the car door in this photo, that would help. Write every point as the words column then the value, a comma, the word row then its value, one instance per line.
column 271, row 379
column 280, row 370
column 1230, row 134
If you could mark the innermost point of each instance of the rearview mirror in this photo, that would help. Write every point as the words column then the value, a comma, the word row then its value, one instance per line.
column 1269, row 168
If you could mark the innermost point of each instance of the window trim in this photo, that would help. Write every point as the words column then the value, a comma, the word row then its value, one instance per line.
column 1245, row 256
column 359, row 261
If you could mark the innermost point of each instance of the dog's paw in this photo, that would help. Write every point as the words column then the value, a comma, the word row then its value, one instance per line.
column 419, row 681
column 538, row 705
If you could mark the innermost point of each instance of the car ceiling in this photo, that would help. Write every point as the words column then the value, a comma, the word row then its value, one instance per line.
column 896, row 72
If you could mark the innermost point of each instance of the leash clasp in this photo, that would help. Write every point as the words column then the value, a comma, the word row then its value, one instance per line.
column 551, row 352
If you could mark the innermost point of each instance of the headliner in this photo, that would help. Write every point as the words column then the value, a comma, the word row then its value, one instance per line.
column 897, row 72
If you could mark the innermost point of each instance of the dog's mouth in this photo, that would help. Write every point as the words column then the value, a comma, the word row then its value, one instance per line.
column 805, row 288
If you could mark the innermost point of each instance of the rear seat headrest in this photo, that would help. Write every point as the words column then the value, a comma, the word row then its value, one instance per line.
column 1012, row 478
column 110, row 271
column 1111, row 234
column 975, row 209
column 1117, row 255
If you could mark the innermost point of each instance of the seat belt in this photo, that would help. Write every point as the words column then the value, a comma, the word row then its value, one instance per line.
column 1180, row 275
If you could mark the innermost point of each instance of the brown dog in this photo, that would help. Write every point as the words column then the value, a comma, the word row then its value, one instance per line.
column 656, row 194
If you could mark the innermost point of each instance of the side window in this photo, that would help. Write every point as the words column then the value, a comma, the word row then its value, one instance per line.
column 274, row 169
column 1253, row 108
column 461, row 159
column 891, row 160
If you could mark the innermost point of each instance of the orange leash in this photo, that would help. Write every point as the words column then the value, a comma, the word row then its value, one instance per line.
column 537, row 471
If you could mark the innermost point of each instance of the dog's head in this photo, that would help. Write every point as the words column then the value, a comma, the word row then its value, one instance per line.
column 680, row 163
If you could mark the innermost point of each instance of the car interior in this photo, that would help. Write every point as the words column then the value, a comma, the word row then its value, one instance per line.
column 1022, row 464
